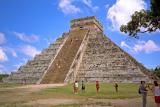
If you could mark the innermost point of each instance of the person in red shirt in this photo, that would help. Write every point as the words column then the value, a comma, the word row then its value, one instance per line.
column 156, row 91
column 97, row 86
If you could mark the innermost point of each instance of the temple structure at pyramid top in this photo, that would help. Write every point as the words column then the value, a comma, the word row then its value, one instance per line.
column 83, row 53
column 86, row 23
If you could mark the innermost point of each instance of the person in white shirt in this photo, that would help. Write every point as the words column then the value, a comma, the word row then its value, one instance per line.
column 75, row 87
column 156, row 91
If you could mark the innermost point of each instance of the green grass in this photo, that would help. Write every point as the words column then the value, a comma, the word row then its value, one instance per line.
column 106, row 91
column 2, row 85
column 14, row 97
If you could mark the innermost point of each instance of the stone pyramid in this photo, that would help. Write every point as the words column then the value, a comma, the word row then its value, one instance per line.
column 83, row 53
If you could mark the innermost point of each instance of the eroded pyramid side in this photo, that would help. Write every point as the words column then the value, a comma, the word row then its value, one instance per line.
column 33, row 70
column 101, row 59
column 105, row 61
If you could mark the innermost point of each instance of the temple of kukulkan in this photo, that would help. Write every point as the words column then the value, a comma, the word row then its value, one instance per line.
column 83, row 53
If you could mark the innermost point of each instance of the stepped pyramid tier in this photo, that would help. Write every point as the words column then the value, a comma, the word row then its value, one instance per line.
column 83, row 53
column 33, row 71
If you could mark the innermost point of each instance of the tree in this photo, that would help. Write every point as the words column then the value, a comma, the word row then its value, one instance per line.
column 144, row 20
column 3, row 76
column 156, row 71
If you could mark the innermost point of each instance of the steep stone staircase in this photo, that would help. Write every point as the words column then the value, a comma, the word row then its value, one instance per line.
column 33, row 70
column 84, row 53
column 105, row 61
column 62, row 62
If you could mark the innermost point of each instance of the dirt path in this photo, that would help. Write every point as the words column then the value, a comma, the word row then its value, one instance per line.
column 53, row 101
column 40, row 86
column 35, row 87
column 135, row 102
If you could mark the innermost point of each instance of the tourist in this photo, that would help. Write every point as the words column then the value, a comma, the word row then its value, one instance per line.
column 116, row 87
column 143, row 92
column 75, row 87
column 156, row 91
column 97, row 86
column 83, row 86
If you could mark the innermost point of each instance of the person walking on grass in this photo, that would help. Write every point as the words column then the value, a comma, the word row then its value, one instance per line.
column 83, row 86
column 156, row 92
column 143, row 92
column 97, row 86
column 116, row 87
column 75, row 86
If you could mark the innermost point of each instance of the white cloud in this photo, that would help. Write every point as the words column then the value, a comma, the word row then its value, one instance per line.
column 2, row 38
column 25, row 37
column 120, row 13
column 3, row 56
column 123, row 44
column 49, row 40
column 14, row 53
column 17, row 66
column 10, row 51
column 67, row 7
column 29, row 50
column 147, row 47
column 24, row 60
column 90, row 5
column 142, row 46
column 107, row 6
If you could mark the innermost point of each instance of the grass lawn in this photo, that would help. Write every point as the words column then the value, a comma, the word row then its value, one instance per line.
column 107, row 91
column 2, row 85
column 15, row 97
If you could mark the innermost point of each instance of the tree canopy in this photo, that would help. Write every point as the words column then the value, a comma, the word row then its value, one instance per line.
column 144, row 20
column 3, row 76
column 156, row 71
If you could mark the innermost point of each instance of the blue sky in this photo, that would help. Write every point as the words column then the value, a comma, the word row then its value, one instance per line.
column 29, row 26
